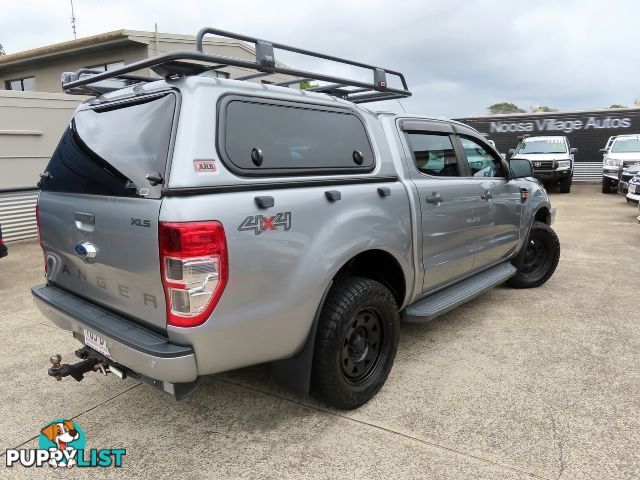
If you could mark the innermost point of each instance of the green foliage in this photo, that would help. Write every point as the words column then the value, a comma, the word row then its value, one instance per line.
column 505, row 107
column 617, row 105
column 2, row 52
column 306, row 84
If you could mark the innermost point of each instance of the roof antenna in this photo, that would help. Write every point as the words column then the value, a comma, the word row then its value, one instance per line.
column 73, row 22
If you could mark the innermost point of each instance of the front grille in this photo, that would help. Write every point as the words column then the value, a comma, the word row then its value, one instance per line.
column 543, row 165
column 626, row 177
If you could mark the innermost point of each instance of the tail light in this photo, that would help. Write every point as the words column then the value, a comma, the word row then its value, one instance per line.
column 194, row 265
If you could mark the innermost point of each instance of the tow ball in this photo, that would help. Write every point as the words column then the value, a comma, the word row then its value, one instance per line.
column 90, row 363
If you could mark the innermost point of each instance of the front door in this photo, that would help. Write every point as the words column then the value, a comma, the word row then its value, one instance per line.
column 448, row 206
column 500, row 210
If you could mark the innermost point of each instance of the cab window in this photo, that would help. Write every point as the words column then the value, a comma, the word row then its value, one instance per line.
column 482, row 161
column 433, row 154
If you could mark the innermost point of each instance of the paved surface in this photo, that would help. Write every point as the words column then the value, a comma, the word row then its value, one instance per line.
column 518, row 384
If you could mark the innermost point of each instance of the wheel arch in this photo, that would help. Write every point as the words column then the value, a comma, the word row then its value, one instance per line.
column 543, row 214
column 295, row 373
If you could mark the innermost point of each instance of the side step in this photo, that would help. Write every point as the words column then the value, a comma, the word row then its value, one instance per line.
column 441, row 302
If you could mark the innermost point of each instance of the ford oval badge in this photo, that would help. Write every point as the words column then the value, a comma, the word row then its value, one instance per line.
column 87, row 251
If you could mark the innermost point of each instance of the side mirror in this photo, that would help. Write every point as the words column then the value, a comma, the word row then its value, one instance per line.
column 603, row 150
column 520, row 168
column 574, row 151
column 510, row 153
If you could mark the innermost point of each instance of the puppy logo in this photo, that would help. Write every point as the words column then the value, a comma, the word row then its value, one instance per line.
column 63, row 435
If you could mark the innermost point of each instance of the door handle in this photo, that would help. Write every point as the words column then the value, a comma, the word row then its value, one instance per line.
column 486, row 196
column 434, row 199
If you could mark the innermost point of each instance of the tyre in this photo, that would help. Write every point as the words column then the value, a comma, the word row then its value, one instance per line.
column 356, row 342
column 606, row 185
column 540, row 258
column 565, row 185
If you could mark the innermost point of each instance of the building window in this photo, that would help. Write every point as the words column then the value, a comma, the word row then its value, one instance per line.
column 107, row 67
column 27, row 84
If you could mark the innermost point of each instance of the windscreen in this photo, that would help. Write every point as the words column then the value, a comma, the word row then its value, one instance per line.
column 547, row 145
column 109, row 150
column 626, row 145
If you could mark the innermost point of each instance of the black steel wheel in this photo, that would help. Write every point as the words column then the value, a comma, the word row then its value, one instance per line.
column 539, row 259
column 356, row 342
column 361, row 350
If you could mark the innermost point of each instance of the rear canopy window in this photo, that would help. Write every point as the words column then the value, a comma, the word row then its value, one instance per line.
column 109, row 150
column 293, row 140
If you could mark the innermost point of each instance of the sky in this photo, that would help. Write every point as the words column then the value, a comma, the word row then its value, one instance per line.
column 459, row 56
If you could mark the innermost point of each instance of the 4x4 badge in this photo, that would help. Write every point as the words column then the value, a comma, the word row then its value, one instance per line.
column 259, row 223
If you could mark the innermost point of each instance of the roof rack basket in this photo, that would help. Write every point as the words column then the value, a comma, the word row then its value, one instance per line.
column 174, row 64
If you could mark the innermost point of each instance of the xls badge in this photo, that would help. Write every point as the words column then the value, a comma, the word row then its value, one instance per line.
column 259, row 223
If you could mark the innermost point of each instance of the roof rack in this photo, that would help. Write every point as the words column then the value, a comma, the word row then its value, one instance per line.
column 175, row 64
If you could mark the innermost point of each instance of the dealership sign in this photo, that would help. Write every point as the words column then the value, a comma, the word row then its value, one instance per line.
column 556, row 125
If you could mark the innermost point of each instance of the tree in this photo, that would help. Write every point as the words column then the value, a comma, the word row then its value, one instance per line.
column 2, row 52
column 306, row 84
column 617, row 105
column 504, row 107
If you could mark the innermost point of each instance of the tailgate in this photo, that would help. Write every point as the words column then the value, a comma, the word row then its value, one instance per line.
column 124, row 275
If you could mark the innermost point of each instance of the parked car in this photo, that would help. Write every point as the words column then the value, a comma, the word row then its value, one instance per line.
column 298, row 232
column 621, row 151
column 552, row 158
column 625, row 174
column 3, row 248
column 634, row 188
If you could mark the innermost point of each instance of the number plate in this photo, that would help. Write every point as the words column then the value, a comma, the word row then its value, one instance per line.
column 95, row 341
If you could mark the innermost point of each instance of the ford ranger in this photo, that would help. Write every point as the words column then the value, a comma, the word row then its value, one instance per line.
column 194, row 223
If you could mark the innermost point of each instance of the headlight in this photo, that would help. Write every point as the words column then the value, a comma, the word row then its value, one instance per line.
column 613, row 163
column 562, row 164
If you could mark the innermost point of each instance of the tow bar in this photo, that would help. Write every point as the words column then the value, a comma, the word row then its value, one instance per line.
column 91, row 362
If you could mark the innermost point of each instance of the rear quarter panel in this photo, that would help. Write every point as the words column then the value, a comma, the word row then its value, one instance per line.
column 277, row 277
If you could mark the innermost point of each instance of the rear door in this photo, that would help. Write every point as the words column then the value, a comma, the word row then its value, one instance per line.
column 448, row 204
column 98, row 213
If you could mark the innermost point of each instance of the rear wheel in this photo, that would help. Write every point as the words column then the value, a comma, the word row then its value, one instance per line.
column 541, row 257
column 606, row 185
column 565, row 185
column 356, row 342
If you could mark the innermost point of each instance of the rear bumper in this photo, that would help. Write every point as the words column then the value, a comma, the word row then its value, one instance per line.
column 4, row 251
column 138, row 348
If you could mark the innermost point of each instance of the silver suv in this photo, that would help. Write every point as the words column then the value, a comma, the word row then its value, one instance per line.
column 194, row 224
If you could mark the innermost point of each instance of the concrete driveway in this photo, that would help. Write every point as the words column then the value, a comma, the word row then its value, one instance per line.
column 541, row 383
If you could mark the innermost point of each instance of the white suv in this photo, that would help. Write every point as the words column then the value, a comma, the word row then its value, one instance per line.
column 621, row 151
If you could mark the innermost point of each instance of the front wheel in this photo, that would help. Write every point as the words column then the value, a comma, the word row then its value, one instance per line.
column 356, row 342
column 565, row 185
column 606, row 185
column 541, row 257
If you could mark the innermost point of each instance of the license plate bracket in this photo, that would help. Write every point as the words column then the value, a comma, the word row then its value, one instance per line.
column 97, row 342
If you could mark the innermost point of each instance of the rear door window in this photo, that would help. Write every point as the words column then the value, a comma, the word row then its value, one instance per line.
column 257, row 138
column 110, row 149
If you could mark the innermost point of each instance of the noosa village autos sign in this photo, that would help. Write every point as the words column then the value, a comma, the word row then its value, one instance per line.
column 559, row 125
